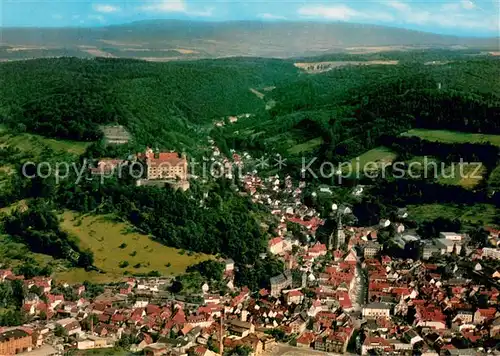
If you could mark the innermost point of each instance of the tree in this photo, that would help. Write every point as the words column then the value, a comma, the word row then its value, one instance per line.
column 86, row 259
column 210, row 269
column 479, row 237
column 60, row 331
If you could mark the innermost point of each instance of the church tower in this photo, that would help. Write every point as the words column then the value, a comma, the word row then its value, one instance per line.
column 340, row 233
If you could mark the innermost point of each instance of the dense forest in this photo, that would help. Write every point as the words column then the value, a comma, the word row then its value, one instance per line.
column 349, row 110
column 167, row 105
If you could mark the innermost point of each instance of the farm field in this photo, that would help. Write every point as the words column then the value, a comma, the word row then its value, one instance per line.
column 115, row 245
column 467, row 214
column 453, row 136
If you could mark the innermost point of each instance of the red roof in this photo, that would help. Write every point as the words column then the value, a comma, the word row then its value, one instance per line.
column 171, row 158
column 295, row 293
column 275, row 241
column 306, row 339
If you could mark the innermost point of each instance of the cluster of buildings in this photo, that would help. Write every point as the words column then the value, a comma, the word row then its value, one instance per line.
column 156, row 168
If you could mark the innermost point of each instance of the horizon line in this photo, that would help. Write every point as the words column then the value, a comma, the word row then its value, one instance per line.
column 262, row 21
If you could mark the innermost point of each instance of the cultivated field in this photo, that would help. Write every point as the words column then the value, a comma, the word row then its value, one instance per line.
column 115, row 243
column 453, row 136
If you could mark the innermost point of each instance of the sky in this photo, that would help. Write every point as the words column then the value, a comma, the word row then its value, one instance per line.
column 457, row 17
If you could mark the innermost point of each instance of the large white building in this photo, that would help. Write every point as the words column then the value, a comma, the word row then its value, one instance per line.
column 489, row 252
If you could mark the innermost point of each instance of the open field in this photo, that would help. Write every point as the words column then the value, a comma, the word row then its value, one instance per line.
column 306, row 146
column 453, row 136
column 113, row 243
column 377, row 157
column 34, row 144
column 467, row 214
column 466, row 175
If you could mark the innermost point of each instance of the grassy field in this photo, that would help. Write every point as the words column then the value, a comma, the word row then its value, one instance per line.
column 453, row 136
column 463, row 174
column 306, row 146
column 35, row 144
column 114, row 243
column 468, row 215
column 376, row 157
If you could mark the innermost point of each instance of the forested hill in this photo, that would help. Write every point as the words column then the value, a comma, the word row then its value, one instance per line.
column 163, row 104
column 174, row 39
column 342, row 113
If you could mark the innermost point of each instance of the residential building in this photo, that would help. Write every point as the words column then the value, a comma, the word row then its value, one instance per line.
column 15, row 341
column 280, row 282
column 493, row 253
column 376, row 310
column 371, row 250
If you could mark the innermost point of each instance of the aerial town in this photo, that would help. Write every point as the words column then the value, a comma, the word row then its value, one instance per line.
column 249, row 178
column 343, row 296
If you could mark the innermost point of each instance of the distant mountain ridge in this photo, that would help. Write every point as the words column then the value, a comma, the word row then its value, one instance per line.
column 180, row 39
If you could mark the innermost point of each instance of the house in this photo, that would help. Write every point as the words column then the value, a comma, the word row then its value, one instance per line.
column 71, row 325
column 305, row 340
column 351, row 257
column 280, row 282
column 4, row 273
column 15, row 341
column 229, row 265
column 107, row 166
column 156, row 349
column 375, row 343
column 371, row 250
column 452, row 236
column 94, row 342
column 483, row 315
column 299, row 324
column 493, row 253
column 376, row 310
column 240, row 329
column 294, row 297
column 276, row 245
column 495, row 328
column 465, row 316
column 430, row 250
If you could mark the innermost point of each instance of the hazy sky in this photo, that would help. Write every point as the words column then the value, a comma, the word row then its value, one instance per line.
column 461, row 17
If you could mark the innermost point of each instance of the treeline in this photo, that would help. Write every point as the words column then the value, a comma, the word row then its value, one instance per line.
column 38, row 227
column 69, row 113
column 220, row 221
column 165, row 105
column 410, row 146
column 352, row 109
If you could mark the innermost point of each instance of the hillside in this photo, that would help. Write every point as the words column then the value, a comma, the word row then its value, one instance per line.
column 165, row 40
column 115, row 244
column 166, row 105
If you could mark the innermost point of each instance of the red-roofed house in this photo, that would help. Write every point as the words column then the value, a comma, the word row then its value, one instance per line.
column 294, row 297
column 306, row 339
column 276, row 245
